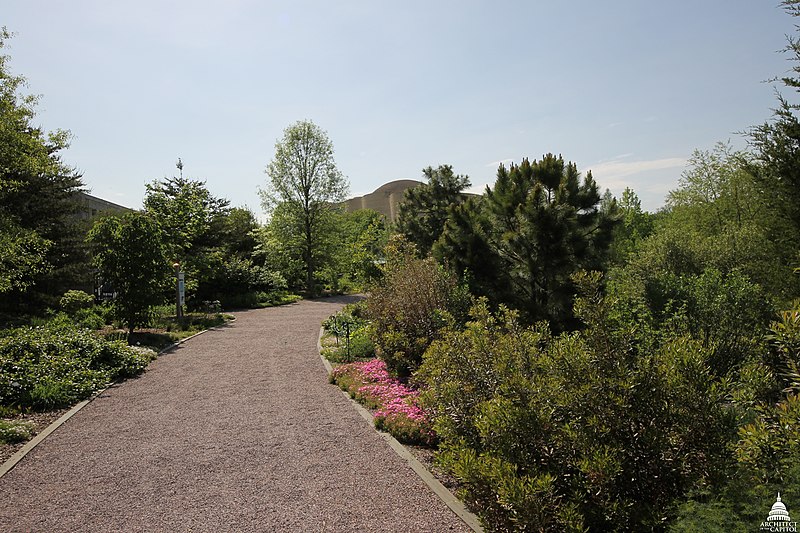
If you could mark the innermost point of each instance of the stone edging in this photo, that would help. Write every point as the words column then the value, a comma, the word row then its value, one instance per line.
column 455, row 505
column 12, row 461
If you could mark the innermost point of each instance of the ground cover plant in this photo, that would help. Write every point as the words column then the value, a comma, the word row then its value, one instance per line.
column 395, row 404
column 56, row 366
column 12, row 432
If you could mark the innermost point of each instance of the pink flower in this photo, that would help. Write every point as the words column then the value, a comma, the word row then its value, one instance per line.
column 397, row 404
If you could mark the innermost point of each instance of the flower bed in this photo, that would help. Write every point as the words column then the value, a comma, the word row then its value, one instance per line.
column 395, row 405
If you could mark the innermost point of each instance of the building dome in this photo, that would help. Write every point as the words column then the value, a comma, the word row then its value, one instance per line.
column 778, row 512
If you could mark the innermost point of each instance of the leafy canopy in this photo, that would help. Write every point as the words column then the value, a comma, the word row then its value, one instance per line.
column 306, row 184
column 39, row 233
column 130, row 255
column 538, row 224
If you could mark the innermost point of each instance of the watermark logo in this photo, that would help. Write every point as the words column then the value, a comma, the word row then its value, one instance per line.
column 778, row 520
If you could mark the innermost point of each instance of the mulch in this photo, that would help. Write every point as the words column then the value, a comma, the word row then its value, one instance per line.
column 40, row 421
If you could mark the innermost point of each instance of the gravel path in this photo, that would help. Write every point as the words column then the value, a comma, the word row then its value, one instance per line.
column 235, row 430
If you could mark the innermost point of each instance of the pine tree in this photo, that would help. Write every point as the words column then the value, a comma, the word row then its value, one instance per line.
column 423, row 212
column 537, row 226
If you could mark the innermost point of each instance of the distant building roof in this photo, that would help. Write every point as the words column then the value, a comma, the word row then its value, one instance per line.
column 385, row 199
column 91, row 206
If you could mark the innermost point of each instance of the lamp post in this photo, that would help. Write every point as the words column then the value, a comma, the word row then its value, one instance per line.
column 178, row 291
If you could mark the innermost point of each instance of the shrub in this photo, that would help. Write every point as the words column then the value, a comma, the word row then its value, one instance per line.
column 575, row 431
column 353, row 336
column 725, row 311
column 415, row 299
column 58, row 365
column 89, row 319
column 73, row 301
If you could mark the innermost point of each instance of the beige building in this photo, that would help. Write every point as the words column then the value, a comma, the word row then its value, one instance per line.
column 385, row 199
column 91, row 206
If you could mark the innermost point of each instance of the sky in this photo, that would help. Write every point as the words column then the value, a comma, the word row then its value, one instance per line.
column 625, row 88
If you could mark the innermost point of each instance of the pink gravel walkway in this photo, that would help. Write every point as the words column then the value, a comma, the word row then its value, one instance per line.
column 235, row 430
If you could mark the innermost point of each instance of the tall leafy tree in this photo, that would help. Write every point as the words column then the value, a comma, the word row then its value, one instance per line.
column 423, row 211
column 38, row 202
column 130, row 255
column 305, row 182
column 635, row 226
column 718, row 191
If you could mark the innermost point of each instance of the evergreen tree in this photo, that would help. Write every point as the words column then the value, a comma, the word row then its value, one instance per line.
column 423, row 212
column 777, row 168
column 39, row 228
column 537, row 226
column 465, row 248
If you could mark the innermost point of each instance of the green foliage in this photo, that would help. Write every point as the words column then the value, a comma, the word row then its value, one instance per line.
column 719, row 217
column 185, row 211
column 636, row 225
column 785, row 335
column 12, row 432
column 532, row 230
column 304, row 181
column 777, row 159
column 73, row 301
column 39, row 232
column 198, row 232
column 130, row 256
column 23, row 256
column 768, row 447
column 233, row 280
column 364, row 236
column 423, row 211
column 353, row 335
column 582, row 430
column 409, row 306
column 726, row 312
column 58, row 365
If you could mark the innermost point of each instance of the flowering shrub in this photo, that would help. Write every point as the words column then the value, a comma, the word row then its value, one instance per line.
column 395, row 405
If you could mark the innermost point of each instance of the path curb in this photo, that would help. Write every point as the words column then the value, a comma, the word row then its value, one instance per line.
column 12, row 461
column 449, row 499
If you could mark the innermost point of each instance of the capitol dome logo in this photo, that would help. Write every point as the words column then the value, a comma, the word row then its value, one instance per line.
column 778, row 520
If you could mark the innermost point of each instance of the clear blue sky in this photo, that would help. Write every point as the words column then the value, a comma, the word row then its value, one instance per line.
column 625, row 88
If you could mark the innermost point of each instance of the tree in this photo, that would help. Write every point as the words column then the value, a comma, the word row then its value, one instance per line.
column 777, row 165
column 130, row 255
column 23, row 257
column 718, row 191
column 718, row 217
column 39, row 229
column 536, row 227
column 423, row 211
column 193, row 222
column 304, row 180
column 367, row 234
column 465, row 248
column 635, row 226
column 186, row 211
